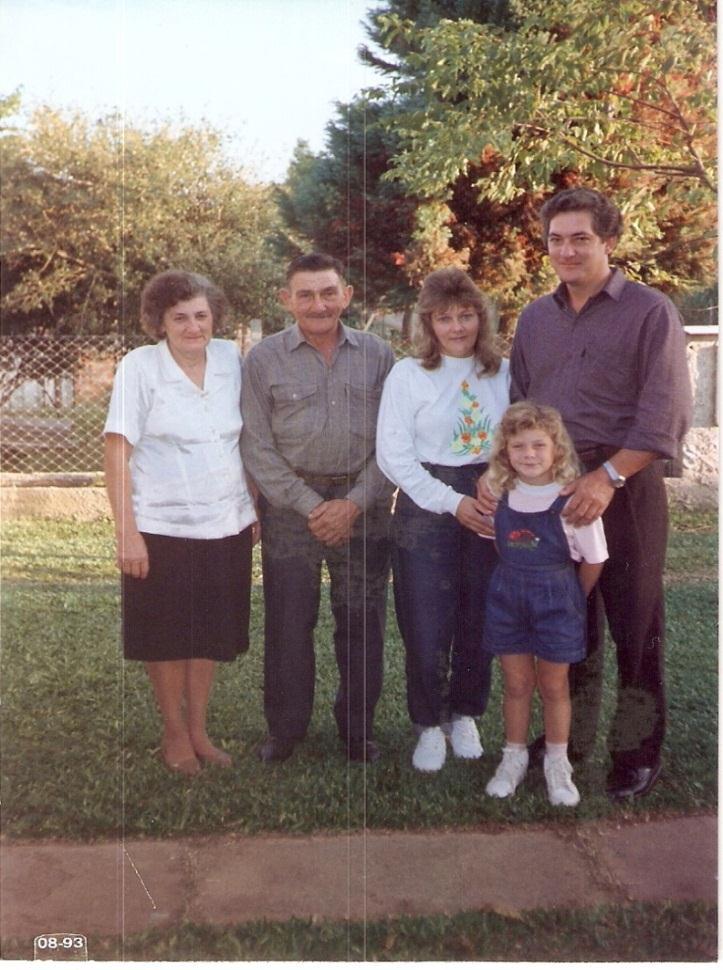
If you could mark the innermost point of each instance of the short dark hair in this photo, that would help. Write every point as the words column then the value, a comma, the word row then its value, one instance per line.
column 314, row 263
column 442, row 289
column 166, row 289
column 607, row 220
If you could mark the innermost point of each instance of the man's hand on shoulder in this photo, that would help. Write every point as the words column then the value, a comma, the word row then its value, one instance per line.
column 591, row 495
column 332, row 522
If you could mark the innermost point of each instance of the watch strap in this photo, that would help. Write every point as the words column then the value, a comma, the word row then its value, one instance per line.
column 616, row 478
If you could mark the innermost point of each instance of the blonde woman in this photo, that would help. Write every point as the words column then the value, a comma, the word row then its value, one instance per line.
column 438, row 413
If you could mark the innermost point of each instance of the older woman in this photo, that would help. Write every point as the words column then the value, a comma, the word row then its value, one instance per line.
column 183, row 511
column 438, row 412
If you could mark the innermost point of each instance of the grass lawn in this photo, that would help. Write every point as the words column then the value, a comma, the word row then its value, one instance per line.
column 637, row 932
column 80, row 733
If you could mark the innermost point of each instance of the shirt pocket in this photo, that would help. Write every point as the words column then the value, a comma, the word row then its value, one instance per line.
column 363, row 404
column 296, row 411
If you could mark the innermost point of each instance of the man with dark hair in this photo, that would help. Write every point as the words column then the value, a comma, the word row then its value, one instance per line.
column 310, row 400
column 609, row 354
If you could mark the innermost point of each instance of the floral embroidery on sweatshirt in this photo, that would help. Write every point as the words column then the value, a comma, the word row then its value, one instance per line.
column 473, row 430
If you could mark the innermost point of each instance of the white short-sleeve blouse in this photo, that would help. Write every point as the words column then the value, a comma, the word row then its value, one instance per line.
column 186, row 471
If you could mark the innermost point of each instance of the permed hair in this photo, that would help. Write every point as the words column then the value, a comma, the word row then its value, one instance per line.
column 528, row 416
column 442, row 289
column 314, row 263
column 607, row 220
column 173, row 286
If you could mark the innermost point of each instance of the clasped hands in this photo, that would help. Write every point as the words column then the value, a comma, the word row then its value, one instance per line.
column 331, row 522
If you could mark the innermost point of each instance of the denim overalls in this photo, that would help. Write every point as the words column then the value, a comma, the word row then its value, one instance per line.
column 535, row 602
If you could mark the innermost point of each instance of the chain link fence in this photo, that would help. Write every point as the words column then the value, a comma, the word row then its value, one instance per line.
column 54, row 394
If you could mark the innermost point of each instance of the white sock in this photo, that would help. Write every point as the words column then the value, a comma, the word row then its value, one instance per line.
column 512, row 746
column 553, row 751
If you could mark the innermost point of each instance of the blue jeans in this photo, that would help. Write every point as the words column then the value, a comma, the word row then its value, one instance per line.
column 359, row 572
column 441, row 573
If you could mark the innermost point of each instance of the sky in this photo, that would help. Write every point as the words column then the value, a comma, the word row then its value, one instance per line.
column 265, row 72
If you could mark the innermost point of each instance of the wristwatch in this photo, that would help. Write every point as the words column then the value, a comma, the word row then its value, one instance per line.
column 616, row 479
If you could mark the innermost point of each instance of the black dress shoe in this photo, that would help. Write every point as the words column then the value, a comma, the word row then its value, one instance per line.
column 631, row 782
column 357, row 749
column 276, row 749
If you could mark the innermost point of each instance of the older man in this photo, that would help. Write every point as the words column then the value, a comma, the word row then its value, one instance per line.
column 310, row 400
column 609, row 354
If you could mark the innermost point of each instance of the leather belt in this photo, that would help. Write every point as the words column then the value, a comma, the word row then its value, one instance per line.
column 311, row 478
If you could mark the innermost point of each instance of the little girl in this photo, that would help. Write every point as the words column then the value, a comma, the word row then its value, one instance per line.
column 536, row 605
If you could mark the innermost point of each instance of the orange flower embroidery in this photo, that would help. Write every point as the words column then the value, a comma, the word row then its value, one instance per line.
column 473, row 427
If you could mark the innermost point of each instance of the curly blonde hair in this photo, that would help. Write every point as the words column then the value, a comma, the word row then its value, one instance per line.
column 528, row 416
column 442, row 289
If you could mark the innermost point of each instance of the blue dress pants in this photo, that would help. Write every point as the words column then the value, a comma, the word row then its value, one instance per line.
column 441, row 573
column 359, row 573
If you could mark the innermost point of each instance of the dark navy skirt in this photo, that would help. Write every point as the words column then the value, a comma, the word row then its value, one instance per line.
column 194, row 603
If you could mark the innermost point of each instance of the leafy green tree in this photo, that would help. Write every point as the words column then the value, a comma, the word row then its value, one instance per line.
column 91, row 209
column 621, row 96
column 336, row 201
column 398, row 44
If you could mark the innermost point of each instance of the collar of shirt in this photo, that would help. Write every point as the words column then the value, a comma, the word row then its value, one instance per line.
column 613, row 288
column 216, row 365
column 293, row 337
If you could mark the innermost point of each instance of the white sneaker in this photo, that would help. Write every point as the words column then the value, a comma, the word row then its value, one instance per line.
column 510, row 772
column 560, row 787
column 464, row 737
column 431, row 750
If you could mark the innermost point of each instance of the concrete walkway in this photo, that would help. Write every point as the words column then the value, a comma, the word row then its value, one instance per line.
column 114, row 889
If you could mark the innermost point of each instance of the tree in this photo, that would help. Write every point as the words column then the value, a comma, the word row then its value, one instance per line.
column 336, row 202
column 619, row 95
column 398, row 45
column 92, row 209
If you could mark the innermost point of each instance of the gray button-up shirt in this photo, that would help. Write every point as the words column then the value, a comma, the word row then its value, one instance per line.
column 616, row 370
column 301, row 413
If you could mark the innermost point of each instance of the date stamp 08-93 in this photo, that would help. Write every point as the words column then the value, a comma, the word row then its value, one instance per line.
column 60, row 946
